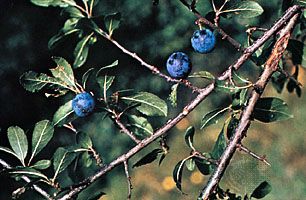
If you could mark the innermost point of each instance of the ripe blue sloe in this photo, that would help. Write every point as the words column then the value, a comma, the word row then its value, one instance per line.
column 203, row 41
column 178, row 65
column 83, row 104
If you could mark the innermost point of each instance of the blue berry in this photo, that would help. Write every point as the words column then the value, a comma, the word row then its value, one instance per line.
column 203, row 41
column 178, row 65
column 83, row 104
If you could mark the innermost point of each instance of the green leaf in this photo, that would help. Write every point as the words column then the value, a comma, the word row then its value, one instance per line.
column 177, row 174
column 173, row 95
column 34, row 82
column 68, row 29
column 64, row 114
column 30, row 172
column 150, row 104
column 219, row 147
column 42, row 164
column 7, row 150
column 231, row 127
column 63, row 71
column 239, row 99
column 190, row 164
column 42, row 134
column 62, row 158
column 81, row 51
column 243, row 9
column 18, row 141
column 105, row 81
column 140, row 126
column 150, row 157
column 225, row 86
column 271, row 109
column 213, row 117
column 74, row 12
column 298, row 52
column 114, row 64
column 112, row 22
column 84, row 140
column 59, row 3
column 203, row 166
column 202, row 74
column 262, row 190
column 85, row 77
column 189, row 137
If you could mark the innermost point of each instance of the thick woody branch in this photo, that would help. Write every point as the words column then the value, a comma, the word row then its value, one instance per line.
column 28, row 180
column 245, row 120
column 203, row 93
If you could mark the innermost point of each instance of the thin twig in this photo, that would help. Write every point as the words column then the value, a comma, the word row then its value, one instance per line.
column 28, row 180
column 126, row 131
column 245, row 119
column 152, row 68
column 128, row 178
column 251, row 153
column 171, row 123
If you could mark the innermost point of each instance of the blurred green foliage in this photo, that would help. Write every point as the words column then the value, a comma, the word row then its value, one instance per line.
column 153, row 32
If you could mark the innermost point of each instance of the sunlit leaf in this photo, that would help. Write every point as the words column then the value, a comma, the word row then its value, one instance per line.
column 59, row 3
column 7, row 150
column 34, row 82
column 81, row 51
column 271, row 109
column 63, row 71
column 150, row 157
column 42, row 134
column 18, row 141
column 29, row 172
column 64, row 114
column 150, row 104
column 112, row 22
column 243, row 9
column 262, row 190
column 42, row 164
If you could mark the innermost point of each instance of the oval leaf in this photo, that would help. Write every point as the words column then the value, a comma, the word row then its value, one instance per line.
column 262, row 190
column 42, row 134
column 42, row 164
column 213, row 117
column 243, row 9
column 81, row 51
column 219, row 147
column 64, row 114
column 84, row 140
column 150, row 157
column 189, row 137
column 63, row 71
column 177, row 174
column 140, row 126
column 271, row 109
column 150, row 104
column 62, row 158
column 18, row 141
